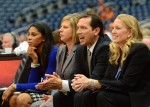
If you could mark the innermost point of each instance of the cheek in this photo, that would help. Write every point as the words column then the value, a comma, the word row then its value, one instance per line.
column 37, row 42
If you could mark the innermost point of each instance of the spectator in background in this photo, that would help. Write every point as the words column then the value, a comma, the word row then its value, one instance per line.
column 23, row 45
column 57, row 39
column 10, row 40
column 108, row 32
column 106, row 13
column 1, row 44
column 43, row 54
column 22, row 38
column 146, row 40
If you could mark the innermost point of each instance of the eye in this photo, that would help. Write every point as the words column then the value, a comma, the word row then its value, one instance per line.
column 83, row 27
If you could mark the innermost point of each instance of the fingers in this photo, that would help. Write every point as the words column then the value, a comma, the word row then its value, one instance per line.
column 77, row 87
column 55, row 74
column 79, row 75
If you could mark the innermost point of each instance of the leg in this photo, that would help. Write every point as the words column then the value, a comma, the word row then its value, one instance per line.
column 61, row 100
column 24, row 100
column 85, row 99
column 38, row 103
column 12, row 101
column 113, row 99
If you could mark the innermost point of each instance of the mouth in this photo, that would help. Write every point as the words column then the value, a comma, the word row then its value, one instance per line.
column 81, row 38
column 114, row 36
column 30, row 43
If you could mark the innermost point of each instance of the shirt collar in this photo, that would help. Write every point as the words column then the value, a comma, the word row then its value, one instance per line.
column 92, row 48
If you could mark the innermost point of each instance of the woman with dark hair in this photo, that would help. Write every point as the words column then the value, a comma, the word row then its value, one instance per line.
column 43, row 54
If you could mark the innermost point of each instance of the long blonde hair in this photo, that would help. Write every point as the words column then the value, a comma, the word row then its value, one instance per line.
column 136, row 36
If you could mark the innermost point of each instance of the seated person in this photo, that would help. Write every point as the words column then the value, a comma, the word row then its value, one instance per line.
column 43, row 54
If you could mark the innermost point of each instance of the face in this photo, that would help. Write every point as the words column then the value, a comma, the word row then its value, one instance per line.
column 6, row 42
column 35, row 38
column 87, row 35
column 147, row 42
column 120, row 33
column 65, row 31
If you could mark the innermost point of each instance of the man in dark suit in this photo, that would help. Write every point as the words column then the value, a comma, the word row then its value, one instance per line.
column 91, row 64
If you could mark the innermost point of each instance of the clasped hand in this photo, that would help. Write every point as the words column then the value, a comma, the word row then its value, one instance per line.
column 80, row 82
column 51, row 82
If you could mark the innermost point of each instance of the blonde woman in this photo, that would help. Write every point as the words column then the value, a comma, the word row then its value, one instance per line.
column 65, row 62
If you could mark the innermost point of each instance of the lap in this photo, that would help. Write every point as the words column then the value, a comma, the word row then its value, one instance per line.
column 85, row 99
column 62, row 100
column 38, row 103
column 109, row 98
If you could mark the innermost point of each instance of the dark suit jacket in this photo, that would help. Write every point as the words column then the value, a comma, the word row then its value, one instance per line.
column 99, row 59
column 135, row 76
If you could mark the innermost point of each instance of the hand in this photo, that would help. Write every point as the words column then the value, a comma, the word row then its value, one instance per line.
column 8, row 92
column 51, row 82
column 80, row 82
column 31, row 52
column 46, row 98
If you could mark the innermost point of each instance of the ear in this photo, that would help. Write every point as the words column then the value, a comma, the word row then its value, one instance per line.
column 96, row 31
column 130, row 33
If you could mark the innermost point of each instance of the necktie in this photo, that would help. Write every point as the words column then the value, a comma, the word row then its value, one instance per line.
column 89, row 60
column 118, row 74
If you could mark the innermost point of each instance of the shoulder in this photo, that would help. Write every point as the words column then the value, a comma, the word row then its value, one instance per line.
column 80, row 48
column 139, row 46
column 103, row 41
column 139, row 49
column 54, row 50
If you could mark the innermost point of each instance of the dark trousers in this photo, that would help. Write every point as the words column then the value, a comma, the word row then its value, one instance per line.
column 113, row 99
column 62, row 100
column 85, row 99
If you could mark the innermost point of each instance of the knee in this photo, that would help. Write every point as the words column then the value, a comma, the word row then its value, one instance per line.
column 12, row 100
column 24, row 99
column 100, row 97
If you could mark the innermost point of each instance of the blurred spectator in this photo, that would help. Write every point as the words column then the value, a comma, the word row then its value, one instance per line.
column 10, row 40
column 1, row 45
column 22, row 38
column 107, row 13
column 146, row 31
column 91, row 8
column 57, row 40
column 146, row 40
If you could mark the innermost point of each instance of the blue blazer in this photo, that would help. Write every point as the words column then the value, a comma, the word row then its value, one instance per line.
column 36, row 75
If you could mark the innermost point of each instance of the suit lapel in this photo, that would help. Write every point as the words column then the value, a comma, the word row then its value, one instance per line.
column 69, row 58
column 61, row 58
column 93, row 54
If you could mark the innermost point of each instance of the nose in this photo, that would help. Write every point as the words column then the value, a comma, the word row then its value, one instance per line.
column 78, row 31
column 113, row 31
column 60, row 29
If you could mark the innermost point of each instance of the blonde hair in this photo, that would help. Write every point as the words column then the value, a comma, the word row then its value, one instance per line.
column 131, row 23
column 73, row 19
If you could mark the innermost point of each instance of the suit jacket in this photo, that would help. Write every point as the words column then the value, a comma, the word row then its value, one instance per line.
column 64, row 65
column 99, row 59
column 135, row 76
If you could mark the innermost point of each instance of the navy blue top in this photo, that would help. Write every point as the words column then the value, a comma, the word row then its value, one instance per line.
column 36, row 75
